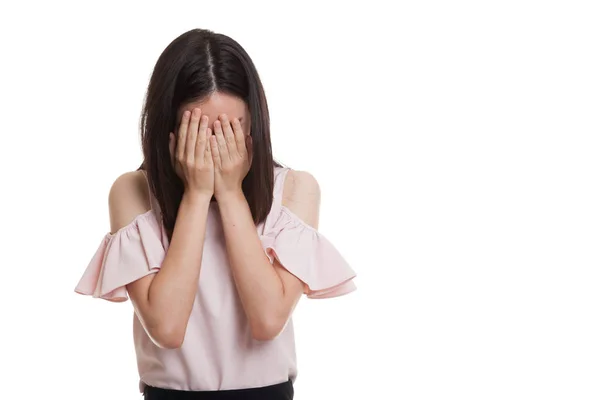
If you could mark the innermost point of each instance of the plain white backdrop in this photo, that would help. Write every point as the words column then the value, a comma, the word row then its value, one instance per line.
column 457, row 149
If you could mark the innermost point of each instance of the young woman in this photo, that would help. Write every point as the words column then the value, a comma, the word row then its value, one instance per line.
column 212, row 240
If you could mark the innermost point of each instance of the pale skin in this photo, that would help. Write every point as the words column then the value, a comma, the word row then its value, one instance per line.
column 212, row 155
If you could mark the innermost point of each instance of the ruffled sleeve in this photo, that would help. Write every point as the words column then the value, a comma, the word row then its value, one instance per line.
column 129, row 254
column 310, row 256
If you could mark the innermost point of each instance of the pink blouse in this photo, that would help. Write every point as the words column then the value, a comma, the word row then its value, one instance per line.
column 218, row 352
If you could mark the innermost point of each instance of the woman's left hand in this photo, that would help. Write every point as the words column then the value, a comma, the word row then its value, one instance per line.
column 232, row 155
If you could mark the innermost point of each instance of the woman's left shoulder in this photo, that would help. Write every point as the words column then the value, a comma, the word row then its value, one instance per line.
column 300, row 186
column 302, row 196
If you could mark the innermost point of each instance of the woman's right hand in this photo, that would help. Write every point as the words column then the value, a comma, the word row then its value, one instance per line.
column 191, row 155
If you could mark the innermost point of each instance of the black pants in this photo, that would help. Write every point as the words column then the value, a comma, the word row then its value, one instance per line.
column 280, row 391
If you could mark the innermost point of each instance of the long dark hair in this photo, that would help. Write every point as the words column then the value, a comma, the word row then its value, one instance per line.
column 193, row 66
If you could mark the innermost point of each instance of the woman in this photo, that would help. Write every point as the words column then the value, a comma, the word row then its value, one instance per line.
column 212, row 240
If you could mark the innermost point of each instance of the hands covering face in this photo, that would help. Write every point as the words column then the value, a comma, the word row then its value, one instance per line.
column 211, row 163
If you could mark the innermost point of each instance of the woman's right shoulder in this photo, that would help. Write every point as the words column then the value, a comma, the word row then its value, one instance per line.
column 128, row 198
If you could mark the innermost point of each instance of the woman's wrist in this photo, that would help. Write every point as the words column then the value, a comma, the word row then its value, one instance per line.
column 195, row 197
column 230, row 196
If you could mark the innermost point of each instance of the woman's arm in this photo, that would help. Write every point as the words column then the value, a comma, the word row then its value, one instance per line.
column 269, row 293
column 163, row 301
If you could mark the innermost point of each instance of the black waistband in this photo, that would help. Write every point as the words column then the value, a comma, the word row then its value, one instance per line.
column 280, row 391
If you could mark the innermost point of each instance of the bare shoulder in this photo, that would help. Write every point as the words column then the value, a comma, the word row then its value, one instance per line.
column 128, row 198
column 302, row 196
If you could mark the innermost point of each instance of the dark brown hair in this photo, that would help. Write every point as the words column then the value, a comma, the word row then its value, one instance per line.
column 193, row 66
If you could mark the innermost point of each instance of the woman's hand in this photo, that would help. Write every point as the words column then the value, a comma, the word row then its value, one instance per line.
column 232, row 155
column 191, row 153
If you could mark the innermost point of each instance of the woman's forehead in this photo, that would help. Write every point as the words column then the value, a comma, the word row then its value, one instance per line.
column 217, row 104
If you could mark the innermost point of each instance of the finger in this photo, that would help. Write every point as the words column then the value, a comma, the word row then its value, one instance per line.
column 220, row 139
column 214, row 149
column 208, row 158
column 240, row 139
column 183, row 128
column 192, row 135
column 201, row 139
column 228, row 134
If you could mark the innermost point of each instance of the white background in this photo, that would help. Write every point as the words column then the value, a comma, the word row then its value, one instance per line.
column 457, row 149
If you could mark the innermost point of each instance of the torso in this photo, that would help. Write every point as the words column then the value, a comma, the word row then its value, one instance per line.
column 218, row 352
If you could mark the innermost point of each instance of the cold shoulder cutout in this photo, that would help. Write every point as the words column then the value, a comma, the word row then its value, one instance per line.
column 304, row 251
column 132, row 252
